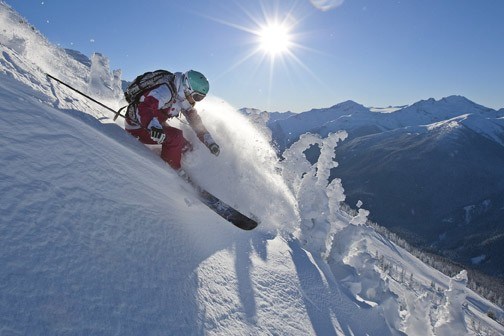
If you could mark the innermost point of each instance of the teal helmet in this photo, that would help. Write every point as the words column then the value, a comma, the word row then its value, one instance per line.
column 196, row 84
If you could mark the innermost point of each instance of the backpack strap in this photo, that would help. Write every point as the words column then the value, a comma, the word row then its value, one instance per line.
column 147, row 81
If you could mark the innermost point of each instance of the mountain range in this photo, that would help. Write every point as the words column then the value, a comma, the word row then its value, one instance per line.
column 432, row 171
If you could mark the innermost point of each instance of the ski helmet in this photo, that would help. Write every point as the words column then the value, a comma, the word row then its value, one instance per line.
column 196, row 84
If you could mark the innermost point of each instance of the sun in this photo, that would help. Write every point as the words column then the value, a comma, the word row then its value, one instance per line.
column 274, row 39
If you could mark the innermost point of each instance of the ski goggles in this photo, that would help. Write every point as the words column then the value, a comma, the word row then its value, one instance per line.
column 195, row 95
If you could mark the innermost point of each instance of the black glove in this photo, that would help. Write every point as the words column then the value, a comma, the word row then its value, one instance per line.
column 214, row 149
column 157, row 134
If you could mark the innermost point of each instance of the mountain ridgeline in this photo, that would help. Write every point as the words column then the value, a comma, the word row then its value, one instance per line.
column 432, row 172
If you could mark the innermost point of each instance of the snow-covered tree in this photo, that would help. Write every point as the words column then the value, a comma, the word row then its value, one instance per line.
column 102, row 82
column 451, row 317
column 318, row 197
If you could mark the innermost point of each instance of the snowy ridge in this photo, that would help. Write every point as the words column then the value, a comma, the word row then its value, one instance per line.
column 99, row 236
column 357, row 119
column 28, row 56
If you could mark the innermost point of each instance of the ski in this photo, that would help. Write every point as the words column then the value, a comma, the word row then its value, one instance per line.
column 221, row 208
column 226, row 211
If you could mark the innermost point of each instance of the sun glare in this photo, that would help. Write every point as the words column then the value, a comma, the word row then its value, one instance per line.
column 274, row 39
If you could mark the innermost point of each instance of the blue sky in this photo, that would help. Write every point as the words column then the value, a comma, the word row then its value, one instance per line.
column 375, row 52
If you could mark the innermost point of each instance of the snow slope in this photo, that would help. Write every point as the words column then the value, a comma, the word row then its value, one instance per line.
column 99, row 236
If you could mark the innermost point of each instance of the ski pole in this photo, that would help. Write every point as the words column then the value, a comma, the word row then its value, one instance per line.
column 116, row 113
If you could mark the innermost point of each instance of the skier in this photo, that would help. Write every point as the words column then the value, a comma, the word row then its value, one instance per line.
column 147, row 120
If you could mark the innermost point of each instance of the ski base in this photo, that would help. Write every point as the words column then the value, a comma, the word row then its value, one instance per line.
column 221, row 208
column 226, row 211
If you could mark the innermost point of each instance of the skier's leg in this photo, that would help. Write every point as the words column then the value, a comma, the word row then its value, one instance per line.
column 173, row 147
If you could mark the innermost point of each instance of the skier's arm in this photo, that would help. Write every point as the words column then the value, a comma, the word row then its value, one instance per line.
column 196, row 123
column 202, row 133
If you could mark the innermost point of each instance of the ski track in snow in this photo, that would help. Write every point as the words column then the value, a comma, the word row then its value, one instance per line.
column 99, row 236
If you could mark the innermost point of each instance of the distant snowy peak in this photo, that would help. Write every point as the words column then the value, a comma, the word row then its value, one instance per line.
column 250, row 111
column 263, row 119
column 344, row 109
column 349, row 105
column 453, row 112
column 359, row 120
column 452, row 105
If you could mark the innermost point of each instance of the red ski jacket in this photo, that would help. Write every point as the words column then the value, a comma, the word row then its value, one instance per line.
column 161, row 103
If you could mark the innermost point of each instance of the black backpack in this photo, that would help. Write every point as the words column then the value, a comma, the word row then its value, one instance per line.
column 148, row 81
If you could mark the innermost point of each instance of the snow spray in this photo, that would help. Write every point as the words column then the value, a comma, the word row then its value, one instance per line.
column 246, row 172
